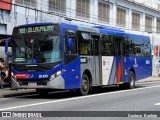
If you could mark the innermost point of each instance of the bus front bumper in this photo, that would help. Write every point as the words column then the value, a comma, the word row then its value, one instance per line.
column 57, row 83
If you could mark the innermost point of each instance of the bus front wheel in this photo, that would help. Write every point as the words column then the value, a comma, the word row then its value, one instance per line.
column 84, row 89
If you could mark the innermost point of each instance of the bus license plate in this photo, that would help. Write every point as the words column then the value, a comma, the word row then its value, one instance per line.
column 32, row 84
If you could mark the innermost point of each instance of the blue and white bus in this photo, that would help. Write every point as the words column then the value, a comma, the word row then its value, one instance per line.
column 49, row 56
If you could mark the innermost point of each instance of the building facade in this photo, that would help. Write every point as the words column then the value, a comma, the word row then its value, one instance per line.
column 135, row 16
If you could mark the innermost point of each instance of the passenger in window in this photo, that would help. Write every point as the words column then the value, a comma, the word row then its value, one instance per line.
column 84, row 48
column 106, row 50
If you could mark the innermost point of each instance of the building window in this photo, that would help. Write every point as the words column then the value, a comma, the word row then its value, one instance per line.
column 121, row 16
column 83, row 8
column 158, row 25
column 135, row 21
column 57, row 5
column 148, row 23
column 32, row 3
column 103, row 11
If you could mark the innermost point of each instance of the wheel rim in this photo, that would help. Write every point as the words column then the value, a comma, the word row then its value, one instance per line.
column 84, row 85
column 132, row 81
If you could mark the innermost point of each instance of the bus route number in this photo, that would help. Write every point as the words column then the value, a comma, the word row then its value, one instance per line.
column 43, row 76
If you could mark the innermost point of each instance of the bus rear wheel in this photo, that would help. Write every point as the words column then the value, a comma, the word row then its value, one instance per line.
column 131, row 82
column 84, row 89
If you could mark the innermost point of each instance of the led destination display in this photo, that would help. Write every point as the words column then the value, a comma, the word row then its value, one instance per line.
column 36, row 29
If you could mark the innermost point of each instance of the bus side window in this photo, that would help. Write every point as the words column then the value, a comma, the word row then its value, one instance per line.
column 71, row 45
column 127, row 47
column 85, row 43
column 137, row 43
column 145, row 48
column 107, row 46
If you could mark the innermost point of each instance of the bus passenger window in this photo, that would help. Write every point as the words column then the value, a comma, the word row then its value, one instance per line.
column 85, row 43
column 71, row 46
column 84, row 49
column 137, row 47
column 107, row 46
column 127, row 47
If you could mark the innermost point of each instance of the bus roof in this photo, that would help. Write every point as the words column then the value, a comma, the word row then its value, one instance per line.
column 33, row 24
column 111, row 32
column 136, row 36
column 108, row 28
column 95, row 29
column 81, row 28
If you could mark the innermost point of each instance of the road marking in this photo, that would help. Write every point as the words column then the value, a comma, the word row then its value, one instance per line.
column 81, row 97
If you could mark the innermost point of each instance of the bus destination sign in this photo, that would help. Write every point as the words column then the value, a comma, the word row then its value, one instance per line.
column 35, row 29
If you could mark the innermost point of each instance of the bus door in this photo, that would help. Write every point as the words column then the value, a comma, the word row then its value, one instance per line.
column 72, row 63
column 108, row 61
column 96, row 58
column 119, row 56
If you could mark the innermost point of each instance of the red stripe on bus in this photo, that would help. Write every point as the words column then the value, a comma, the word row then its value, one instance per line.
column 119, row 73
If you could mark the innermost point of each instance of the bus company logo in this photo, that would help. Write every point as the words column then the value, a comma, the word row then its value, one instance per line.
column 135, row 63
column 6, row 114
column 147, row 62
column 31, row 76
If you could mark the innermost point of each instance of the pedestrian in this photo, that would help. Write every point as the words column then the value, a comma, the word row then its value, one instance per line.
column 4, row 73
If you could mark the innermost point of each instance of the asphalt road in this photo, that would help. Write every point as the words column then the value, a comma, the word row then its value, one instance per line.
column 145, row 97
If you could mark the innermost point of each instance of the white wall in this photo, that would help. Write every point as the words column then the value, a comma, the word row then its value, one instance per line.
column 19, row 15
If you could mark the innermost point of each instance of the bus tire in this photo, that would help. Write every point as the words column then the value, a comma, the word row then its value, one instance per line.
column 42, row 92
column 85, row 86
column 131, row 82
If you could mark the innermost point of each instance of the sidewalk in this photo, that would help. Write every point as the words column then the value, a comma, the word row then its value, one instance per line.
column 149, row 79
column 6, row 92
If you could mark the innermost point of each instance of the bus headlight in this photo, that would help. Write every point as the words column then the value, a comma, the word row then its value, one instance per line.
column 56, row 74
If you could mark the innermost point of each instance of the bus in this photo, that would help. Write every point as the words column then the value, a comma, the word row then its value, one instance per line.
column 49, row 56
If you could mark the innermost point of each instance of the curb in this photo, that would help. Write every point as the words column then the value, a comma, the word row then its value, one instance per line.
column 147, row 81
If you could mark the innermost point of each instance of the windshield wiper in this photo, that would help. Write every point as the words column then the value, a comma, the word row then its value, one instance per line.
column 45, row 37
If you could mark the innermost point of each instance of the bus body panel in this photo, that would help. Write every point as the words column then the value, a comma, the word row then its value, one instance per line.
column 57, row 83
column 72, row 74
column 98, row 75
column 108, row 70
column 38, row 79
column 88, row 66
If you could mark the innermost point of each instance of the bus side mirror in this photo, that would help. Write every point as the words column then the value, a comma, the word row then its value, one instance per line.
column 70, row 43
column 6, row 47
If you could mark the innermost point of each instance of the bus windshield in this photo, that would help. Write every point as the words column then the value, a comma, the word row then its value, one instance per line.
column 37, row 49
